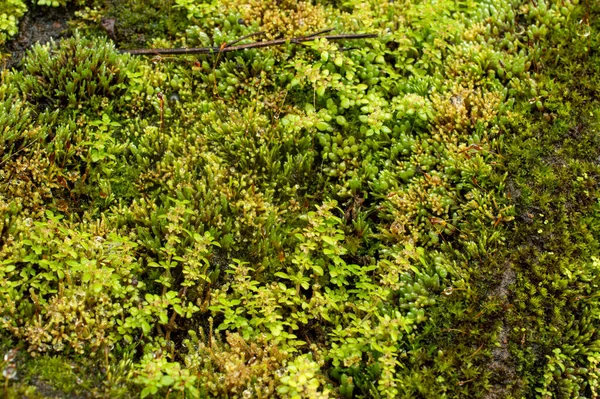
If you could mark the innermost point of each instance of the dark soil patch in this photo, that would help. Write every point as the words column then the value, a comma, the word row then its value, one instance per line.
column 39, row 25
column 48, row 391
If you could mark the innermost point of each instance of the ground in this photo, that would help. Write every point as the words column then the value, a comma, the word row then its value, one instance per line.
column 411, row 215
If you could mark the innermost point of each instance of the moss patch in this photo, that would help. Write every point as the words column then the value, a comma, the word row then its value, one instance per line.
column 409, row 216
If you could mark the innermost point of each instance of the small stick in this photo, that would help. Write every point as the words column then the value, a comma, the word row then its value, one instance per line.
column 228, row 48
column 321, row 32
column 242, row 38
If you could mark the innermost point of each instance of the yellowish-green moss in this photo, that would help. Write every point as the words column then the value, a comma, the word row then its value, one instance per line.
column 407, row 216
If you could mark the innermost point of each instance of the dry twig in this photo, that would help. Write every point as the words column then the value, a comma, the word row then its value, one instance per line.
column 229, row 47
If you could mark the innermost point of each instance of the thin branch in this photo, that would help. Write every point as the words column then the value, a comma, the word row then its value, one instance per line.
column 321, row 32
column 243, row 38
column 228, row 49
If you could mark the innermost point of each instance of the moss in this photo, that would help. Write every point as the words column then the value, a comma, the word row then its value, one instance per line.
column 558, row 206
column 412, row 216
column 92, row 73
column 10, row 12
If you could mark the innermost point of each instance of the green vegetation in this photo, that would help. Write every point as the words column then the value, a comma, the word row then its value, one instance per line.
column 10, row 12
column 413, row 216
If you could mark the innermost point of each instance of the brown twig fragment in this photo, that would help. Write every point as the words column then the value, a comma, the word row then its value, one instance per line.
column 243, row 38
column 227, row 48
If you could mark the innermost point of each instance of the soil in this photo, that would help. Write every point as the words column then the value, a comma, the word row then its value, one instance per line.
column 39, row 25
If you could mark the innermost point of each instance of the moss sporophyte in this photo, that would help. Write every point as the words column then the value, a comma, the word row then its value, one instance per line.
column 413, row 214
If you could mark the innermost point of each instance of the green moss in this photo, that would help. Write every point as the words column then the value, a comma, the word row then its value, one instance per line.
column 10, row 12
column 415, row 216
column 92, row 73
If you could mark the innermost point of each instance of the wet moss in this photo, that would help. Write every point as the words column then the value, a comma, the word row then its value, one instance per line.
column 412, row 216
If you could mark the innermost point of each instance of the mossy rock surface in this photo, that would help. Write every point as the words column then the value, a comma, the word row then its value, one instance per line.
column 413, row 215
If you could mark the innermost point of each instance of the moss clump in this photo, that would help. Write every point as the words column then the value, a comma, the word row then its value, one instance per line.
column 79, row 300
column 90, row 74
column 284, row 18
column 15, row 116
